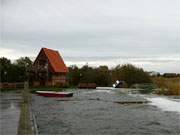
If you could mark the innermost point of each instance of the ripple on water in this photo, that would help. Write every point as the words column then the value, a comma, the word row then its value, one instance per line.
column 82, row 116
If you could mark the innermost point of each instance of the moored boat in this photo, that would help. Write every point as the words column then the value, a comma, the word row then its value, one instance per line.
column 54, row 94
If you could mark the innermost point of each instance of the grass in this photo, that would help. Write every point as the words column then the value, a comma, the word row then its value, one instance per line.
column 24, row 122
column 168, row 86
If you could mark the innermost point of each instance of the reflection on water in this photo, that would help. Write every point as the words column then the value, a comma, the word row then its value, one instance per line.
column 99, row 91
column 165, row 104
column 82, row 116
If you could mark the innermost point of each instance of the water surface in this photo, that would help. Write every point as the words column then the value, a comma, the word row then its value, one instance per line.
column 9, row 113
column 94, row 112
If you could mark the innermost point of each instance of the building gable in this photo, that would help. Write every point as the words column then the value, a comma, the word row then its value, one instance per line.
column 54, row 60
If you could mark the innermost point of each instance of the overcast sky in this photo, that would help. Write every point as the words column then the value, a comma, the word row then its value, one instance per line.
column 101, row 32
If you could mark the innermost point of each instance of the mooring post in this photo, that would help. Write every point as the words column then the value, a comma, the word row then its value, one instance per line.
column 26, row 85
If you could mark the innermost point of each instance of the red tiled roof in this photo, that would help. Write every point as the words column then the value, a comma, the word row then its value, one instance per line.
column 55, row 60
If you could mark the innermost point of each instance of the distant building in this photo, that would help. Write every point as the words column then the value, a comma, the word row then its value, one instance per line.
column 153, row 73
column 170, row 75
column 49, row 69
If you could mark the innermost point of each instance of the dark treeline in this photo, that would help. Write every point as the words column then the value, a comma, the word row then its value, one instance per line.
column 102, row 75
column 14, row 72
column 171, row 75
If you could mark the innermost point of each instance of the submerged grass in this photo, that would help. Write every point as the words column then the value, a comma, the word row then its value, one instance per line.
column 168, row 86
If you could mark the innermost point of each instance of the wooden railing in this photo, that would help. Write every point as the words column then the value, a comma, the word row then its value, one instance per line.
column 11, row 85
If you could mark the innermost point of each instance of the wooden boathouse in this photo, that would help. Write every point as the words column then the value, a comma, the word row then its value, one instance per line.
column 49, row 69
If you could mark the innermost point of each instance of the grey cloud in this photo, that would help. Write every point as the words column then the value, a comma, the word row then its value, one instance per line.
column 93, row 28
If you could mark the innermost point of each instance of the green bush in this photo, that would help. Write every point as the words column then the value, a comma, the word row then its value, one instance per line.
column 130, row 74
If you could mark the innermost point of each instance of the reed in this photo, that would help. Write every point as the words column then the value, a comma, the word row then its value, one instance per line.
column 168, row 86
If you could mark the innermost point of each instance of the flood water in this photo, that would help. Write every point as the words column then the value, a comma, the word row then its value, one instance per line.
column 95, row 112
column 9, row 113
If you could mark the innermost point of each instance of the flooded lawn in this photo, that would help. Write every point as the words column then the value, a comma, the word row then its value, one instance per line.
column 9, row 113
column 96, row 112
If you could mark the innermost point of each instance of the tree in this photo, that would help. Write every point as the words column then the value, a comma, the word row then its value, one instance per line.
column 74, row 75
column 103, row 77
column 14, row 72
column 5, row 65
column 23, row 64
column 88, row 74
column 131, row 74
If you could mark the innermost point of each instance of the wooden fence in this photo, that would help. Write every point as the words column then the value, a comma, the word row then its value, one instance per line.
column 11, row 85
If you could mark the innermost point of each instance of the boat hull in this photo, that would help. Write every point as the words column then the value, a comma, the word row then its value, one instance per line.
column 55, row 94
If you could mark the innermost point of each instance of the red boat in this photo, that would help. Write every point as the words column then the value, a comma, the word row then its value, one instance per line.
column 54, row 94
